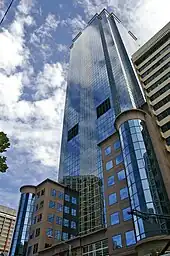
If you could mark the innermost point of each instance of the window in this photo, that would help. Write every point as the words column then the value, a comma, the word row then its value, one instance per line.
column 66, row 222
column 123, row 193
column 74, row 200
column 59, row 207
column 58, row 220
column 107, row 151
column 130, row 238
column 53, row 192
column 65, row 236
column 119, row 159
column 41, row 204
column 60, row 195
column 50, row 218
column 121, row 175
column 116, row 145
column 110, row 181
column 109, row 165
column 49, row 232
column 29, row 250
column 47, row 245
column 73, row 212
column 103, row 108
column 43, row 191
column 126, row 215
column 32, row 234
column 117, row 242
column 51, row 204
column 34, row 220
column 114, row 218
column 112, row 198
column 39, row 217
column 58, row 234
column 66, row 209
column 73, row 224
column 72, row 132
column 36, row 208
column 165, row 127
column 37, row 232
column 67, row 198
column 35, row 248
column 38, row 194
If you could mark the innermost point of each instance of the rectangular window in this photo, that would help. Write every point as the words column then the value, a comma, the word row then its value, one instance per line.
column 37, row 232
column 112, row 198
column 109, row 165
column 116, row 145
column 50, row 218
column 67, row 198
column 58, row 220
column 60, row 195
column 36, row 207
column 73, row 212
column 72, row 132
column 124, row 193
column 49, row 232
column 58, row 235
column 117, row 242
column 121, row 175
column 126, row 215
column 130, row 238
column 35, row 248
column 29, row 250
column 65, row 236
column 103, row 108
column 51, row 204
column 39, row 217
column 74, row 200
column 41, row 204
column 34, row 220
column 32, row 234
column 110, row 181
column 119, row 159
column 43, row 191
column 73, row 224
column 107, row 151
column 53, row 192
column 114, row 218
column 59, row 207
column 66, row 222
column 66, row 209
column 38, row 194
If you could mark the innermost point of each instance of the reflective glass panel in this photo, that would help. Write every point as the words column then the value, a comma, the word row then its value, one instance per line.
column 114, row 218
column 126, row 215
column 67, row 197
column 124, row 193
column 65, row 236
column 49, row 232
column 116, row 145
column 73, row 224
column 112, row 198
column 109, row 165
column 73, row 212
column 119, row 159
column 121, row 175
column 111, row 180
column 51, row 204
column 66, row 222
column 66, row 209
column 74, row 200
column 117, row 241
column 130, row 238
column 107, row 151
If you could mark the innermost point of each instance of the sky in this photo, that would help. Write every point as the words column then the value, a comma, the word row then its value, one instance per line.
column 34, row 60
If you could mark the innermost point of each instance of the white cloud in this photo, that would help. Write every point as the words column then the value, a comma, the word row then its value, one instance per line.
column 62, row 48
column 77, row 24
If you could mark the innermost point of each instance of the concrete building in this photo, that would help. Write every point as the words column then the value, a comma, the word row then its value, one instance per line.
column 48, row 213
column 152, row 63
column 7, row 222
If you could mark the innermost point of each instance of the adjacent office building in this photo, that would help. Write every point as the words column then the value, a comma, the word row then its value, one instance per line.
column 7, row 222
column 48, row 213
column 152, row 63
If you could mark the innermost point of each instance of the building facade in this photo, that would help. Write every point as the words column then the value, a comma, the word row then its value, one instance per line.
column 152, row 63
column 48, row 213
column 7, row 223
column 101, row 84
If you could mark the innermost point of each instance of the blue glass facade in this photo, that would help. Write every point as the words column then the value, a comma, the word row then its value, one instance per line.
column 101, row 85
column 23, row 223
column 146, row 188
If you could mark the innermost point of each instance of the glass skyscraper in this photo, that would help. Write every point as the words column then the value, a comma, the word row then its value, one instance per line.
column 101, row 87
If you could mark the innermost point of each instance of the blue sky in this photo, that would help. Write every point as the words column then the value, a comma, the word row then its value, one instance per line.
column 34, row 54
